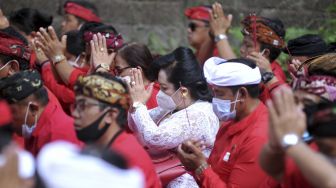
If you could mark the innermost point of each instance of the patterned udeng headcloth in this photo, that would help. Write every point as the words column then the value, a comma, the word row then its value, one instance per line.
column 258, row 29
column 102, row 89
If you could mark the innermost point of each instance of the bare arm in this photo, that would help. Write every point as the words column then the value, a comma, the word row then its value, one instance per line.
column 272, row 162
column 315, row 168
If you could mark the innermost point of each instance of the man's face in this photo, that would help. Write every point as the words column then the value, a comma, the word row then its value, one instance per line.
column 69, row 23
column 86, row 111
column 247, row 46
column 198, row 33
column 226, row 93
column 19, row 111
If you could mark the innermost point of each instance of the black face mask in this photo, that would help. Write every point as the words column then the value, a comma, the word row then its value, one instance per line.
column 91, row 133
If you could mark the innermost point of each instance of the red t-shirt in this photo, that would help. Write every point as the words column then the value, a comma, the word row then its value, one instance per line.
column 52, row 125
column 265, row 93
column 293, row 177
column 77, row 72
column 127, row 145
column 65, row 95
column 234, row 158
column 152, row 103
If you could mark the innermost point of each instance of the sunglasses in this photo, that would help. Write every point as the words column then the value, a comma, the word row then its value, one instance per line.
column 193, row 26
column 118, row 71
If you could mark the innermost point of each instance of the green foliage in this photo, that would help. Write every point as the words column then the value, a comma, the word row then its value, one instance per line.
column 158, row 46
column 328, row 28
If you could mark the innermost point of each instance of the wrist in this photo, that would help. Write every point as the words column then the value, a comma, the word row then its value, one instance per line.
column 288, row 140
column 220, row 37
column 103, row 67
column 200, row 169
column 58, row 58
column 136, row 105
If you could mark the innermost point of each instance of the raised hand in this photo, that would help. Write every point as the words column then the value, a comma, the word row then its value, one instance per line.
column 191, row 156
column 261, row 61
column 285, row 115
column 40, row 56
column 48, row 41
column 99, row 53
column 137, row 89
column 219, row 22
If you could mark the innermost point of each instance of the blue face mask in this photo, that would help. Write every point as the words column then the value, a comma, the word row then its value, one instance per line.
column 222, row 108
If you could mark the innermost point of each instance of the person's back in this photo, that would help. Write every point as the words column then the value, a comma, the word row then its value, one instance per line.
column 127, row 145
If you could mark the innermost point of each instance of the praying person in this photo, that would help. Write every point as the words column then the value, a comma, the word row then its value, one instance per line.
column 233, row 161
column 100, row 113
column 35, row 118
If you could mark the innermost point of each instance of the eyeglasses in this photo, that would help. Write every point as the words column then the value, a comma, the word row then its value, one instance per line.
column 193, row 26
column 118, row 70
column 81, row 105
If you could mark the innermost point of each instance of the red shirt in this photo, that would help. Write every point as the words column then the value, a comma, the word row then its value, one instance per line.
column 152, row 103
column 52, row 125
column 234, row 158
column 265, row 93
column 127, row 145
column 77, row 72
column 293, row 177
column 65, row 95
column 278, row 72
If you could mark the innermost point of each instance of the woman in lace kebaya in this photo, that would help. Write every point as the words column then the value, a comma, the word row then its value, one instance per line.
column 184, row 110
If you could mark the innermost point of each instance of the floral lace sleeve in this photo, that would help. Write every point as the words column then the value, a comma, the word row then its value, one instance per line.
column 198, row 123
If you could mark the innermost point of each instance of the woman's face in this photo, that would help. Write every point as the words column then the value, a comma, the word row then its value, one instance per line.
column 169, row 89
column 122, row 68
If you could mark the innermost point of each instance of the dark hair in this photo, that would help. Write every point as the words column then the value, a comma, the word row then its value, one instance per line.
column 94, row 27
column 73, row 43
column 182, row 68
column 29, row 20
column 139, row 55
column 278, row 27
column 253, row 90
column 42, row 96
column 14, row 33
column 23, row 64
column 122, row 116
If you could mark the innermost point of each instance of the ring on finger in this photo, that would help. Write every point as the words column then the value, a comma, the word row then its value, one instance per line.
column 102, row 49
column 132, row 83
column 215, row 16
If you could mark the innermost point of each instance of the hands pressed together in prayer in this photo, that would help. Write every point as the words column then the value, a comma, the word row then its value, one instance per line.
column 190, row 154
column 137, row 90
column 285, row 116
column 99, row 52
column 4, row 23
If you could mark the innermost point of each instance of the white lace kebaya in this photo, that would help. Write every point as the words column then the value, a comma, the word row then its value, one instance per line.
column 159, row 135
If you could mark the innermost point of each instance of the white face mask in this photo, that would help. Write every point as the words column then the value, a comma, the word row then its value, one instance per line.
column 222, row 108
column 165, row 101
column 28, row 130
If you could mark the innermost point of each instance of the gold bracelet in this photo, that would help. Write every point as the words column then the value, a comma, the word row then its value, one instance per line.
column 199, row 171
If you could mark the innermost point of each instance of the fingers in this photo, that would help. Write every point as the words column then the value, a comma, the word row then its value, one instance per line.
column 41, row 38
column 52, row 33
column 272, row 112
column 192, row 148
column 95, row 42
column 64, row 41
column 45, row 34
column 149, row 90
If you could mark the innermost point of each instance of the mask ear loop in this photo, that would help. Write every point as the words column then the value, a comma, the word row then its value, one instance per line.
column 9, row 63
column 184, row 103
column 26, row 116
column 236, row 100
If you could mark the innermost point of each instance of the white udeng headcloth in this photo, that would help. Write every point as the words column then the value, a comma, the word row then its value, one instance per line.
column 219, row 72
column 61, row 165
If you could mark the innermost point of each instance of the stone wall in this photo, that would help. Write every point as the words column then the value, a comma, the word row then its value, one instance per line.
column 161, row 24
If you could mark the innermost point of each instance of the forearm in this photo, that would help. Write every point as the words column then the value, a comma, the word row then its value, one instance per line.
column 316, row 168
column 64, row 70
column 224, row 49
column 272, row 162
